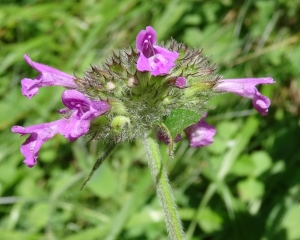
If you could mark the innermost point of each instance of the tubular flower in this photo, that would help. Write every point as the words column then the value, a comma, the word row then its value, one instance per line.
column 48, row 77
column 200, row 134
column 83, row 111
column 245, row 87
column 153, row 58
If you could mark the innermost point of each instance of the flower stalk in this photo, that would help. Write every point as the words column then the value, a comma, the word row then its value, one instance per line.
column 163, row 189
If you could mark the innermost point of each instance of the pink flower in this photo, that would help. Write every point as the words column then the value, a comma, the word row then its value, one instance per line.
column 153, row 58
column 83, row 111
column 48, row 77
column 200, row 134
column 245, row 87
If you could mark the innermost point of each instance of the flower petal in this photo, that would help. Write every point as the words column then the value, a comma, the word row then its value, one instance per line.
column 163, row 61
column 160, row 63
column 143, row 63
column 261, row 103
column 148, row 35
column 84, row 108
column 73, row 128
column 48, row 77
column 38, row 135
column 200, row 134
column 75, row 100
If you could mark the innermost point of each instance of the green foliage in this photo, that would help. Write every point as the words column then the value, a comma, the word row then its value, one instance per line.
column 244, row 186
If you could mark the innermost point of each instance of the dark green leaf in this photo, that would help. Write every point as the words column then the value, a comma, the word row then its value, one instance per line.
column 180, row 119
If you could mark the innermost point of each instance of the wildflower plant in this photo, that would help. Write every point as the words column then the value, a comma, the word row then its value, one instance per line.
column 150, row 92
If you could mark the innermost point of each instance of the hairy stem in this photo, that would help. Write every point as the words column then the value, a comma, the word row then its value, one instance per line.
column 163, row 189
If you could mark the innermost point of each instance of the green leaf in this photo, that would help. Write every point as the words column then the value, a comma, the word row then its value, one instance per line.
column 244, row 166
column 291, row 223
column 103, row 183
column 180, row 119
column 262, row 161
column 250, row 189
column 209, row 220
column 38, row 215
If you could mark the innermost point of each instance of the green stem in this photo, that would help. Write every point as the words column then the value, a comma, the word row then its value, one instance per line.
column 163, row 189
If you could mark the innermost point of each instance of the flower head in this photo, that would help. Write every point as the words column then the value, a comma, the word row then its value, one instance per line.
column 200, row 134
column 170, row 99
column 48, row 77
column 153, row 58
column 245, row 87
column 83, row 111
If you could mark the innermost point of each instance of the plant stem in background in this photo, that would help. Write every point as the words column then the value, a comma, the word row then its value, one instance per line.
column 163, row 189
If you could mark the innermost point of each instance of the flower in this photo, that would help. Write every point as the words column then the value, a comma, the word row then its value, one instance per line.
column 153, row 58
column 200, row 134
column 245, row 87
column 83, row 111
column 48, row 77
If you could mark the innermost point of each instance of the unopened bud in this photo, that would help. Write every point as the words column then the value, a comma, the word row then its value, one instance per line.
column 181, row 82
column 119, row 122
column 132, row 81
column 110, row 86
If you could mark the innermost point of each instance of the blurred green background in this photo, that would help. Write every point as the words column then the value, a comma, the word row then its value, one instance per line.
column 245, row 186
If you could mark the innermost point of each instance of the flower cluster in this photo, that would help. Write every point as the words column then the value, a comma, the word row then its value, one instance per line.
column 136, row 90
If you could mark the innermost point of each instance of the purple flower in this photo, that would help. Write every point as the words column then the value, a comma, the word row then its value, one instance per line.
column 82, row 110
column 245, row 87
column 48, row 77
column 200, row 134
column 180, row 82
column 153, row 58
